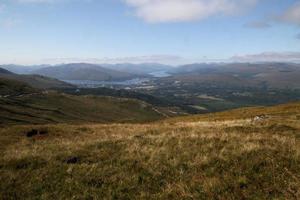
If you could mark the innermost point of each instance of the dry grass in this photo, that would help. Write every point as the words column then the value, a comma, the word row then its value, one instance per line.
column 210, row 159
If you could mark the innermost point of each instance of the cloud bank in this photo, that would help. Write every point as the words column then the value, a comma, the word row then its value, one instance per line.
column 268, row 57
column 156, row 11
column 163, row 59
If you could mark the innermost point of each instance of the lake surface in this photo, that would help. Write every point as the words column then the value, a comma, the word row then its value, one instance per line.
column 89, row 83
column 160, row 74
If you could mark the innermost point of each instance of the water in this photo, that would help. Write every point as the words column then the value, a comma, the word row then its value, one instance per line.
column 92, row 84
column 160, row 74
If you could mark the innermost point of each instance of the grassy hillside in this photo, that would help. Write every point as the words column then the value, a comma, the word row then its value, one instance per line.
column 41, row 108
column 35, row 81
column 11, row 87
column 283, row 110
column 220, row 156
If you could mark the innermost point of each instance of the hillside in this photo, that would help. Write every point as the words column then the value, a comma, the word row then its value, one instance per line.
column 53, row 107
column 35, row 81
column 12, row 87
column 225, row 155
column 83, row 71
column 205, row 88
column 4, row 71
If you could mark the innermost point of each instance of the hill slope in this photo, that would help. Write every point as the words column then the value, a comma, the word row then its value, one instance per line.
column 4, row 71
column 35, row 81
column 12, row 87
column 219, row 156
column 43, row 108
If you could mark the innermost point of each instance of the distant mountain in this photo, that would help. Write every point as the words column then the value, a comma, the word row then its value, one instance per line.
column 191, row 68
column 35, row 81
column 141, row 69
column 22, row 69
column 84, row 71
column 276, row 75
column 238, row 68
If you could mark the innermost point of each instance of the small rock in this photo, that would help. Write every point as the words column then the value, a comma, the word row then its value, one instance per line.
column 259, row 118
column 72, row 160
column 32, row 133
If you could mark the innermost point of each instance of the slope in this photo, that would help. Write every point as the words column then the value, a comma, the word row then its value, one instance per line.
column 35, row 81
column 215, row 158
column 53, row 107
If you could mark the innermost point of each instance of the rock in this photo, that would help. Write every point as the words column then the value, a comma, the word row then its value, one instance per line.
column 259, row 118
column 72, row 160
column 35, row 132
column 32, row 133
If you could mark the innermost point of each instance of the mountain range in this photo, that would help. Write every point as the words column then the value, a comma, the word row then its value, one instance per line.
column 92, row 72
column 276, row 75
column 273, row 75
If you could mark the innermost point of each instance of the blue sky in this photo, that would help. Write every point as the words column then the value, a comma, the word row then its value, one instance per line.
column 166, row 31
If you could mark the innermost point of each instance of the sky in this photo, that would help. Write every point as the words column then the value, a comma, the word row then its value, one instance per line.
column 165, row 31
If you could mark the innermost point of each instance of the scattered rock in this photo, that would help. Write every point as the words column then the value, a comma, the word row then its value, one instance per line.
column 138, row 136
column 35, row 132
column 260, row 118
column 32, row 133
column 72, row 160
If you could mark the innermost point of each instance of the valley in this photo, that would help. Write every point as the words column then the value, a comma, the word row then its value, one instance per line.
column 186, row 87
column 175, row 136
column 149, row 100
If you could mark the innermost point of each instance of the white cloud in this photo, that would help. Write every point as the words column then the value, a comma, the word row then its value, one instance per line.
column 292, row 14
column 268, row 57
column 156, row 11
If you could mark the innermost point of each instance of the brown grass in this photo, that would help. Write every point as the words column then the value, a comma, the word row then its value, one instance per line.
column 179, row 159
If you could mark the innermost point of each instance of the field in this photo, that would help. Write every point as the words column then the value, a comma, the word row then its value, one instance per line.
column 226, row 155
